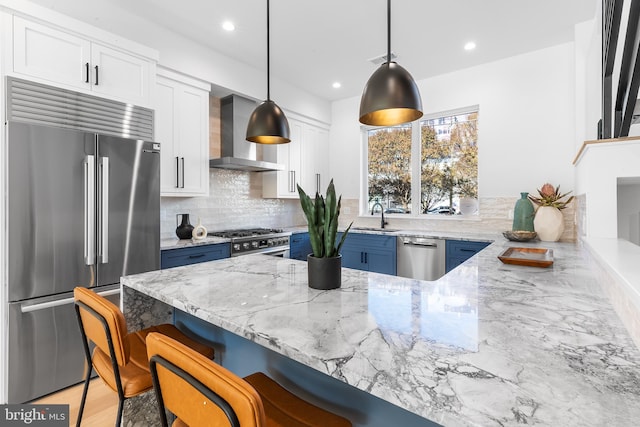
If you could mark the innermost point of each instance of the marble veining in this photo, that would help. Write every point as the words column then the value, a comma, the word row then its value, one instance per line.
column 488, row 344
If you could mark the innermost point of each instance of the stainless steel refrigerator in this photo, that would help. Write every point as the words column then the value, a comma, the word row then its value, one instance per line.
column 83, row 209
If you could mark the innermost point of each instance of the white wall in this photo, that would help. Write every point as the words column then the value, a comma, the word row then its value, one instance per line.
column 526, row 123
column 598, row 171
column 629, row 210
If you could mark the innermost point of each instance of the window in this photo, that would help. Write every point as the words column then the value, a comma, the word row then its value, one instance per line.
column 423, row 167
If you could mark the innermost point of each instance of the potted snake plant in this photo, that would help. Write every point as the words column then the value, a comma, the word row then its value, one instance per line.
column 324, row 265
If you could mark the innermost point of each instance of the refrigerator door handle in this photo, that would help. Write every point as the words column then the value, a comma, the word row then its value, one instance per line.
column 104, row 210
column 89, row 210
column 58, row 302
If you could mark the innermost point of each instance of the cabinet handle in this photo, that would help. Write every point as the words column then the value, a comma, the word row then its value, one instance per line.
column 96, row 67
column 182, row 172
column 366, row 258
column 177, row 172
column 196, row 256
column 467, row 250
column 292, row 179
column 317, row 183
column 86, row 73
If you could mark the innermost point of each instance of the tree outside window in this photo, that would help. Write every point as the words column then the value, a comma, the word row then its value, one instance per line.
column 448, row 164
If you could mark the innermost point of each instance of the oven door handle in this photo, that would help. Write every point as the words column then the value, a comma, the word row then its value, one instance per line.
column 280, row 251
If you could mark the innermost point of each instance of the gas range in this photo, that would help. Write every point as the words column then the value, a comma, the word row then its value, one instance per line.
column 256, row 240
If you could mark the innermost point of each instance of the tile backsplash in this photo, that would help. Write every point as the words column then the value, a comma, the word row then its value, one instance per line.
column 235, row 201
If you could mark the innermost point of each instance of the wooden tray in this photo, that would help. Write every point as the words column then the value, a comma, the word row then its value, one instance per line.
column 531, row 257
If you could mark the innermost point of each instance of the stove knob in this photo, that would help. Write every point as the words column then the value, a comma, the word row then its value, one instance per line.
column 236, row 246
column 245, row 246
column 254, row 244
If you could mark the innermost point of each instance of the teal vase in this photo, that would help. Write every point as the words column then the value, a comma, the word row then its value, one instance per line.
column 523, row 214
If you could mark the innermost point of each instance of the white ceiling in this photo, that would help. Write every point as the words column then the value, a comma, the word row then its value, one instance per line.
column 314, row 43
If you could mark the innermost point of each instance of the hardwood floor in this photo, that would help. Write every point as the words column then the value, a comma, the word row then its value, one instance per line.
column 100, row 409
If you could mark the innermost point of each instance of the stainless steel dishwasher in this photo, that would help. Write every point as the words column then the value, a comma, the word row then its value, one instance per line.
column 420, row 257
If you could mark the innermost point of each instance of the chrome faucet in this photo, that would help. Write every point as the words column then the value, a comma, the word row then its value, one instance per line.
column 373, row 208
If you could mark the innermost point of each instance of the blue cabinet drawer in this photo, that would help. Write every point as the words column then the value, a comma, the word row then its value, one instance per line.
column 458, row 251
column 192, row 255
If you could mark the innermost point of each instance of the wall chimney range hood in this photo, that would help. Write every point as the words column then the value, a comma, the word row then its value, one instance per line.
column 237, row 152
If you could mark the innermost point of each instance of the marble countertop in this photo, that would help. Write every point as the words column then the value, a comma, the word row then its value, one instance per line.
column 175, row 243
column 487, row 344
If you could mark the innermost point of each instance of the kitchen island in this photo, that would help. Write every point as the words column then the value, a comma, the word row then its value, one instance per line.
column 487, row 344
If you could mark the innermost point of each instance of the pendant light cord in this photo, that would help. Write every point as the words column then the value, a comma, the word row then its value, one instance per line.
column 268, row 58
column 388, row 31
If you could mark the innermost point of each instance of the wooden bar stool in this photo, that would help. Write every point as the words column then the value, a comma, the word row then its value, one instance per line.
column 119, row 358
column 202, row 393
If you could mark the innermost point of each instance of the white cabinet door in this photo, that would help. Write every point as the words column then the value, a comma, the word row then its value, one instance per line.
column 193, row 135
column 315, row 159
column 182, row 127
column 165, row 134
column 283, row 184
column 50, row 55
column 119, row 75
column 71, row 61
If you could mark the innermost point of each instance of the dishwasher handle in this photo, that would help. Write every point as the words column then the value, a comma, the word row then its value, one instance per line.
column 408, row 242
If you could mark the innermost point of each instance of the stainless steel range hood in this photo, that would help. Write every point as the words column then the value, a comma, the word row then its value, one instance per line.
column 237, row 152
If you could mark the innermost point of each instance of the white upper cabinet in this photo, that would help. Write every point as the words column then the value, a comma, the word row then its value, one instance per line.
column 182, row 128
column 66, row 59
column 51, row 55
column 283, row 184
column 305, row 159
column 120, row 75
column 315, row 159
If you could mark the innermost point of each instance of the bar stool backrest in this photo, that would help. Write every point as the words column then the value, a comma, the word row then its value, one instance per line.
column 92, row 305
column 199, row 391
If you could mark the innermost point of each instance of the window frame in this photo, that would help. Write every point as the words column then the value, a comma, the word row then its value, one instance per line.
column 415, row 164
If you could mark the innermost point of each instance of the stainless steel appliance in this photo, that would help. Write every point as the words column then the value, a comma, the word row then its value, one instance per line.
column 83, row 209
column 420, row 258
column 256, row 240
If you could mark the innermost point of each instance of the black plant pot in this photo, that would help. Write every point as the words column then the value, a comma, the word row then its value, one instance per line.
column 324, row 273
column 185, row 229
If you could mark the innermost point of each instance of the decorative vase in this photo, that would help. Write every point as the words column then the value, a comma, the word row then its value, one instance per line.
column 199, row 232
column 468, row 205
column 549, row 223
column 523, row 214
column 324, row 273
column 185, row 229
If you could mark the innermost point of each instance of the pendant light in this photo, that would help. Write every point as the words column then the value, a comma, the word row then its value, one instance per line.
column 268, row 124
column 391, row 96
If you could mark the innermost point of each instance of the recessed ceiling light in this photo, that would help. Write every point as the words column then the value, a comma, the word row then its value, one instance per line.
column 228, row 25
column 470, row 46
column 336, row 85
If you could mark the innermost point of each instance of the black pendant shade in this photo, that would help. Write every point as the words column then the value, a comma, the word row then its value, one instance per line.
column 391, row 96
column 268, row 124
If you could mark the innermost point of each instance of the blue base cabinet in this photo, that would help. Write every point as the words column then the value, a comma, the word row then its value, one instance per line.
column 458, row 251
column 299, row 246
column 369, row 252
column 193, row 254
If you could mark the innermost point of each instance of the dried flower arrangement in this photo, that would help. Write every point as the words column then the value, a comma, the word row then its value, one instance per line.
column 550, row 196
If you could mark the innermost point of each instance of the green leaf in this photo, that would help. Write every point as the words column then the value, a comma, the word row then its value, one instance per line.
column 310, row 212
